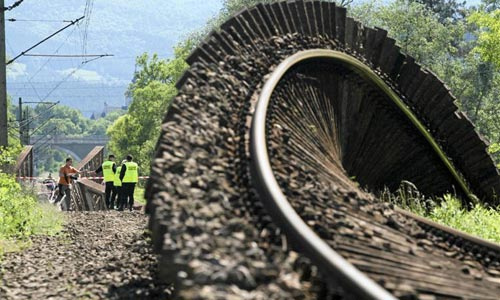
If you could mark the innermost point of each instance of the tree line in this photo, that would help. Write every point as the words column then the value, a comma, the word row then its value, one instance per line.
column 45, row 121
column 458, row 43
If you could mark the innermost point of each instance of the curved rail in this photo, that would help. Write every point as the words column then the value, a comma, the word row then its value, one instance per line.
column 277, row 204
column 283, row 212
column 227, row 72
column 450, row 231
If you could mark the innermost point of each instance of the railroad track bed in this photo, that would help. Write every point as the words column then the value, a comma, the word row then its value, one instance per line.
column 307, row 160
column 98, row 255
column 207, row 213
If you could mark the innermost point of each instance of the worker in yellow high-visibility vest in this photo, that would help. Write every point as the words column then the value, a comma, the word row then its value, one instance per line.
column 108, row 169
column 129, row 176
column 117, row 193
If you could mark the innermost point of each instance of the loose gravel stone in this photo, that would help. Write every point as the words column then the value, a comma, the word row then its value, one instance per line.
column 98, row 255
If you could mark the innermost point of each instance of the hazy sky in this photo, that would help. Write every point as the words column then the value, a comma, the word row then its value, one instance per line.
column 123, row 28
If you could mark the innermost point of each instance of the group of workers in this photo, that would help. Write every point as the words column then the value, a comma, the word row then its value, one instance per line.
column 120, row 182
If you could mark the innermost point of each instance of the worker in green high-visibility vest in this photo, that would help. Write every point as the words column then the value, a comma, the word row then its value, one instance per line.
column 108, row 169
column 129, row 176
column 118, row 194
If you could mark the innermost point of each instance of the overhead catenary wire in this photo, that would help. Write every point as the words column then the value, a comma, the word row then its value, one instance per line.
column 43, row 124
column 69, row 55
column 24, row 122
column 40, row 148
column 13, row 132
column 46, row 62
column 69, row 81
column 45, row 39
column 89, row 5
column 38, row 20
column 68, row 76
column 45, row 136
column 83, row 86
column 14, row 5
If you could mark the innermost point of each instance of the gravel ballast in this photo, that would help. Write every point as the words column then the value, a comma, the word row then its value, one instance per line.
column 98, row 255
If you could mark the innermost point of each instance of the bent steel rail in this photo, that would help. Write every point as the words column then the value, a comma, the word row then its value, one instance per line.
column 278, row 206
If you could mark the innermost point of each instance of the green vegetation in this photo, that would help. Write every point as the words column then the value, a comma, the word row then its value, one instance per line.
column 63, row 121
column 449, row 39
column 455, row 42
column 21, row 215
column 478, row 221
column 139, row 195
column 495, row 151
column 489, row 37
column 152, row 89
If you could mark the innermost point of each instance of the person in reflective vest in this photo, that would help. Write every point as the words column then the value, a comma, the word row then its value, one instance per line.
column 129, row 176
column 118, row 188
column 108, row 170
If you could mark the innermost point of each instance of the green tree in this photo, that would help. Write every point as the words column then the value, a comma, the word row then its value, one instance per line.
column 416, row 28
column 435, row 32
column 152, row 89
column 488, row 43
column 446, row 9
column 446, row 47
column 100, row 126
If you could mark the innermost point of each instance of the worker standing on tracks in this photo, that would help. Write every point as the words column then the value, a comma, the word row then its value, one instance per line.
column 108, row 169
column 66, row 174
column 129, row 176
column 118, row 194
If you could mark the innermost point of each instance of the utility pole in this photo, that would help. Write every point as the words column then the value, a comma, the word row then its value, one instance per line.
column 26, row 128
column 20, row 120
column 3, row 80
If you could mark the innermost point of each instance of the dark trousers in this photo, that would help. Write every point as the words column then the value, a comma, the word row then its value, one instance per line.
column 117, row 195
column 128, row 193
column 109, row 189
column 64, row 192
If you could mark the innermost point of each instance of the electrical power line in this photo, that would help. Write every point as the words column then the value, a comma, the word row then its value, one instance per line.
column 16, row 4
column 69, row 55
column 45, row 39
column 62, row 81
column 83, row 87
column 45, row 136
column 43, row 124
column 29, row 120
column 46, row 62
column 38, row 20
column 89, row 97
column 69, row 81
column 103, row 97
column 89, row 5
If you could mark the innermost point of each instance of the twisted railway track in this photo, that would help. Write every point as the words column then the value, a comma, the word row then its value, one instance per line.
column 288, row 122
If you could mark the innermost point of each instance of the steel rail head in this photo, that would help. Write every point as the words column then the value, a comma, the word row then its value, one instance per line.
column 281, row 210
column 485, row 244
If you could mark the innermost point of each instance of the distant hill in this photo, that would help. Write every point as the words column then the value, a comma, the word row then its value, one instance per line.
column 123, row 28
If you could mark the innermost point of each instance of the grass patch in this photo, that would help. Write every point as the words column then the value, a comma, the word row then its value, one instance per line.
column 479, row 221
column 139, row 195
column 50, row 221
column 21, row 216
column 11, row 245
